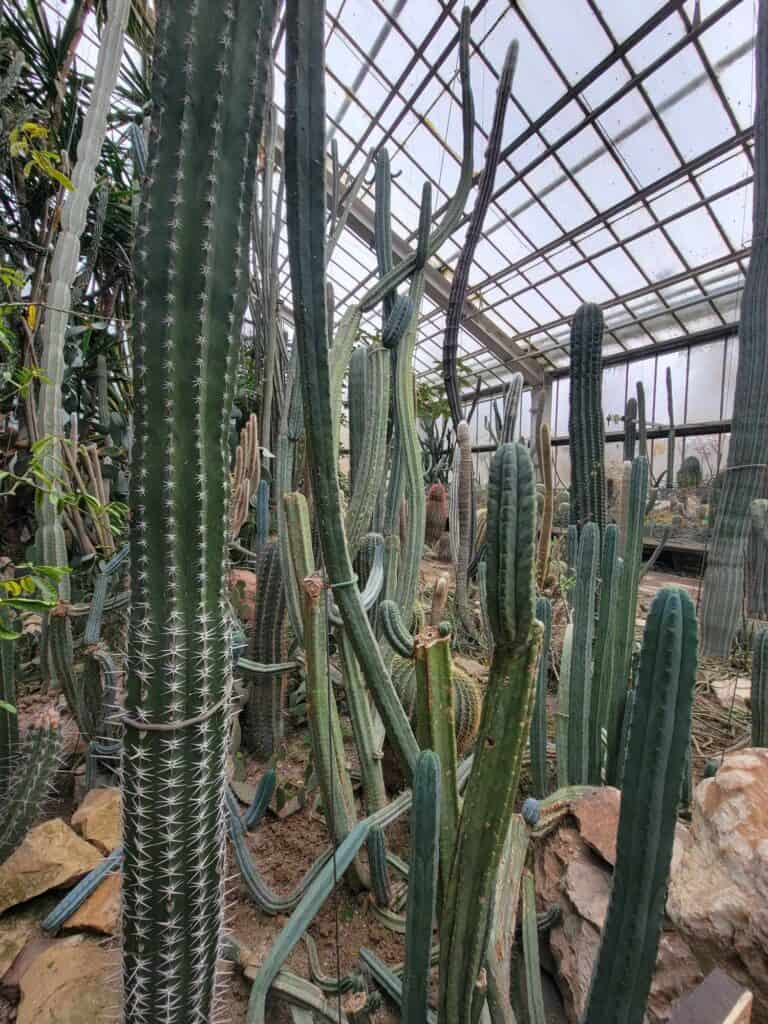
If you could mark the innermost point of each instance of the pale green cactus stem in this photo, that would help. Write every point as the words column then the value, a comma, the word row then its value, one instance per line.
column 209, row 74
column 372, row 446
column 580, row 696
column 464, row 487
column 51, row 546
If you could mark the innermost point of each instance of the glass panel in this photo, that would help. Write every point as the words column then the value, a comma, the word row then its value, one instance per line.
column 676, row 362
column 643, row 372
column 731, row 366
column 563, row 406
column 614, row 384
column 705, row 377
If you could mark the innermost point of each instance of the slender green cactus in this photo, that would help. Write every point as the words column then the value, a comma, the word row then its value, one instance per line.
column 9, row 718
column 563, row 708
column 264, row 714
column 358, row 396
column 460, row 281
column 507, row 708
column 630, row 429
column 759, row 693
column 671, row 433
column 371, row 447
column 288, row 439
column 535, row 995
column 642, row 422
column 586, row 426
column 305, row 192
column 539, row 769
column 33, row 769
column 656, row 756
column 626, row 611
column 547, row 514
column 191, row 262
column 602, row 673
column 757, row 560
column 262, row 514
column 579, row 714
column 463, row 484
column 422, row 886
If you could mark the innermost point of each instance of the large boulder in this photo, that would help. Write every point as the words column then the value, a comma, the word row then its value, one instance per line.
column 98, row 820
column 718, row 893
column 70, row 982
column 52, row 856
column 573, row 870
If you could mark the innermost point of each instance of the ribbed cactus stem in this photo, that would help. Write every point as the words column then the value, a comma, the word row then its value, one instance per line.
column 759, row 692
column 32, row 773
column 586, row 426
column 9, row 718
column 422, row 887
column 464, row 484
column 371, row 447
column 563, row 708
column 630, row 429
column 579, row 717
column 547, row 514
column 642, row 422
column 209, row 76
column 603, row 668
column 503, row 735
column 671, row 433
column 656, row 758
column 757, row 560
column 626, row 611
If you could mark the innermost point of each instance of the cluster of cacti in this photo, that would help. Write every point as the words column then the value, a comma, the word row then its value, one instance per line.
column 746, row 473
column 504, row 425
column 191, row 282
column 586, row 426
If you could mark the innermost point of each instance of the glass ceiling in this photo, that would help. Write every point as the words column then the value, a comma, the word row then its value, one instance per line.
column 626, row 176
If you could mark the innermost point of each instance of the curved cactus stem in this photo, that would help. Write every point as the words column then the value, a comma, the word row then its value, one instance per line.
column 642, row 423
column 314, row 897
column 465, row 498
column 305, row 191
column 658, row 745
column 394, row 630
column 630, row 429
column 422, row 886
column 460, row 281
column 261, row 800
column 371, row 447
column 77, row 896
column 538, row 744
column 580, row 694
column 373, row 585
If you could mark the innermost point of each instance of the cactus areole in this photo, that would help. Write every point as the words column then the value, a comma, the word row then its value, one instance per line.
column 208, row 90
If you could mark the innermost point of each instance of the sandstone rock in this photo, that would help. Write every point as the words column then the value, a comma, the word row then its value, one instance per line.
column 71, row 982
column 718, row 894
column 97, row 819
column 570, row 873
column 598, row 816
column 51, row 857
column 15, row 930
column 101, row 911
column 10, row 986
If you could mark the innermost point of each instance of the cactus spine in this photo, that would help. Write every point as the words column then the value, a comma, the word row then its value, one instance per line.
column 507, row 708
column 759, row 693
column 586, row 424
column 653, row 773
column 422, row 886
column 27, row 784
column 191, row 276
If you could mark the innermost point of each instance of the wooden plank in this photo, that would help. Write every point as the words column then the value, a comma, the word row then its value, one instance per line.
column 717, row 1000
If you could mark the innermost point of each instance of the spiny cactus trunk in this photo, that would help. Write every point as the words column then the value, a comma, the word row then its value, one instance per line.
column 586, row 426
column 208, row 86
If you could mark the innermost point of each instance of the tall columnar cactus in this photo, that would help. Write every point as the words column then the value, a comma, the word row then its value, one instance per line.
column 50, row 540
column 759, row 693
column 371, row 446
column 191, row 256
column 25, row 786
column 586, row 426
column 580, row 697
column 9, row 719
column 492, row 787
column 757, row 560
column 545, row 527
column 460, row 281
column 671, row 432
column 305, row 192
column 463, row 485
column 539, row 766
column 630, row 429
column 437, row 514
column 653, row 774
column 642, row 422
column 264, row 715
column 422, row 887
column 626, row 611
column 604, row 652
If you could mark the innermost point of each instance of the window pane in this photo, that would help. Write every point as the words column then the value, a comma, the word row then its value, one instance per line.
column 705, row 378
